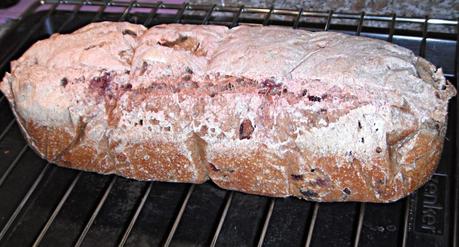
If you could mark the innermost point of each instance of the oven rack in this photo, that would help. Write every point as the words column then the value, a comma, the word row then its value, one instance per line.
column 47, row 17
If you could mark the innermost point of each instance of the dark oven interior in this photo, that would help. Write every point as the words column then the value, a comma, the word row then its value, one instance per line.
column 46, row 205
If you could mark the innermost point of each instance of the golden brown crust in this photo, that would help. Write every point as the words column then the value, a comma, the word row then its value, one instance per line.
column 156, row 161
column 260, row 172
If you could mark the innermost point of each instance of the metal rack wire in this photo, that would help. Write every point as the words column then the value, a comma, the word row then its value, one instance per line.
column 207, row 16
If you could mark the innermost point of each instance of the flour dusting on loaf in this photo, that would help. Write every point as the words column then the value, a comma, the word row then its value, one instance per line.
column 273, row 111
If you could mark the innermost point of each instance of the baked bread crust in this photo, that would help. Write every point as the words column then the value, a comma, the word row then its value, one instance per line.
column 265, row 110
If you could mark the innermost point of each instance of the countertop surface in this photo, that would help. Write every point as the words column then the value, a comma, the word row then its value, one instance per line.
column 447, row 9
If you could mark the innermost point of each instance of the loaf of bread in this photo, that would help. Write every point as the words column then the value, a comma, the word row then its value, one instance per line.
column 271, row 111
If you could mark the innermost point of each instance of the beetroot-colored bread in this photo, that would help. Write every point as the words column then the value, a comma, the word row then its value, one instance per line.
column 264, row 110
